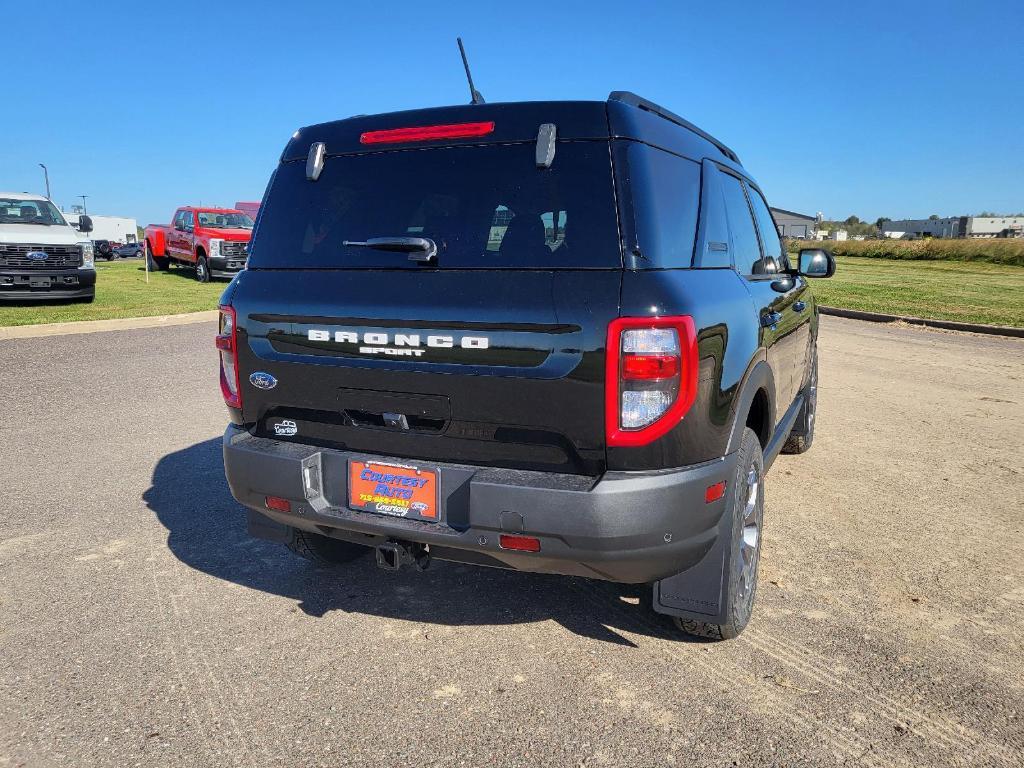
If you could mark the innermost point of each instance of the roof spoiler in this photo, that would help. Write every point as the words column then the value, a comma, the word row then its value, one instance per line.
column 627, row 97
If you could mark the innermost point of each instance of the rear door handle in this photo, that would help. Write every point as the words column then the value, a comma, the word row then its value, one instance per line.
column 768, row 319
column 800, row 306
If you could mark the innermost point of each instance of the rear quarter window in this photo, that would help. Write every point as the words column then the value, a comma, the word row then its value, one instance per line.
column 486, row 207
column 665, row 191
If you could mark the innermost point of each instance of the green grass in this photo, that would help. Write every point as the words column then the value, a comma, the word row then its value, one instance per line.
column 972, row 292
column 121, row 291
column 995, row 251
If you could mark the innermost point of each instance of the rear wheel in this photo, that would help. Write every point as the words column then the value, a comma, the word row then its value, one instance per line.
column 156, row 263
column 746, row 508
column 324, row 550
column 800, row 439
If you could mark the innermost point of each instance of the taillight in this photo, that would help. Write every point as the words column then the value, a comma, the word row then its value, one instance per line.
column 427, row 133
column 227, row 343
column 650, row 377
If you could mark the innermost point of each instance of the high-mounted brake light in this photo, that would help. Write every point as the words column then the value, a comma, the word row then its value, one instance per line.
column 650, row 377
column 227, row 343
column 427, row 133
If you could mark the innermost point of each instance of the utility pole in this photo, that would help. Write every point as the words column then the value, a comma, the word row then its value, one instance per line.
column 46, row 175
column 84, row 209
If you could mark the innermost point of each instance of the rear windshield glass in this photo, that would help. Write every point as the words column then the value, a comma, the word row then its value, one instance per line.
column 485, row 207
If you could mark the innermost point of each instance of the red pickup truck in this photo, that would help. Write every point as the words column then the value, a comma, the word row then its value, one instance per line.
column 213, row 241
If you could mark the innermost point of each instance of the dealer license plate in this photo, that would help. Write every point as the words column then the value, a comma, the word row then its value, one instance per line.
column 399, row 490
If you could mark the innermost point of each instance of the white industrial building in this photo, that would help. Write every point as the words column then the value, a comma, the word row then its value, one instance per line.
column 915, row 228
column 116, row 229
column 956, row 226
column 994, row 226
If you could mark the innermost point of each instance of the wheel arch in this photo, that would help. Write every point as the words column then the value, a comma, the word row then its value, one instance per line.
column 755, row 405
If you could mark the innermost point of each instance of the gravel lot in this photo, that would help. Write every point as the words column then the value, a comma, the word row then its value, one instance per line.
column 140, row 626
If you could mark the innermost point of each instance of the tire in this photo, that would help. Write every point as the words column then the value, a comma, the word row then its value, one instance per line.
column 156, row 263
column 323, row 550
column 802, row 436
column 746, row 507
column 202, row 270
column 87, row 299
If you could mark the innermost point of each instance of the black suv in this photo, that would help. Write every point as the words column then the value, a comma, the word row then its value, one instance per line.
column 560, row 337
column 104, row 249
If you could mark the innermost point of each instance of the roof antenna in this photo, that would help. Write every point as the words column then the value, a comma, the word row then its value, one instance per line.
column 474, row 94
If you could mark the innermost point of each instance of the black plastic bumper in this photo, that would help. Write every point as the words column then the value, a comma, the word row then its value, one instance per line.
column 46, row 284
column 630, row 527
column 226, row 266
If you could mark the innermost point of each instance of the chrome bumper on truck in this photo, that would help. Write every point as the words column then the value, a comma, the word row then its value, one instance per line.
column 630, row 527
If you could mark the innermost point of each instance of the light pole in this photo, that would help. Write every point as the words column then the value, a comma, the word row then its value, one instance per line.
column 84, row 209
column 46, row 175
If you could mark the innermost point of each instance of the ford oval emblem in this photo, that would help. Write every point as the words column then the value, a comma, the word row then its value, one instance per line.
column 37, row 255
column 262, row 380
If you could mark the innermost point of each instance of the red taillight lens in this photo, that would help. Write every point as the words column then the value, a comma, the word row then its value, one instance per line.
column 427, row 133
column 649, row 367
column 227, row 344
column 520, row 543
column 650, row 377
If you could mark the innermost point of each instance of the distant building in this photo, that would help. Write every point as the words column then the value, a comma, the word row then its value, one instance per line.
column 992, row 226
column 837, row 234
column 913, row 229
column 793, row 224
column 116, row 229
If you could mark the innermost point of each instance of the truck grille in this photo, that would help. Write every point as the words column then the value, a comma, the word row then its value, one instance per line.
column 57, row 256
column 234, row 249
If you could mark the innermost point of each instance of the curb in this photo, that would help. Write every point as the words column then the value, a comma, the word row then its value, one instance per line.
column 948, row 325
column 96, row 326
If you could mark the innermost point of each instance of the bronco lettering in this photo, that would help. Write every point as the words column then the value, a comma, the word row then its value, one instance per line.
column 379, row 339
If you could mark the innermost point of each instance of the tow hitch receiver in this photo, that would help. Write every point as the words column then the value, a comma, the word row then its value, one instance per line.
column 392, row 555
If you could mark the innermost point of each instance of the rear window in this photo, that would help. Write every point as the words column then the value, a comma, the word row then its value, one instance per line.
column 486, row 207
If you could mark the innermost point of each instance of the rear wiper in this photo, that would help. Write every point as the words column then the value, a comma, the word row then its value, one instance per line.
column 419, row 248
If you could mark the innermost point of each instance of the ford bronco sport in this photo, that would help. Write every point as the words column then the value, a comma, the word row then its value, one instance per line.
column 559, row 337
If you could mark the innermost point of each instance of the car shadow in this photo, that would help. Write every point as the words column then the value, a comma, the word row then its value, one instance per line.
column 206, row 530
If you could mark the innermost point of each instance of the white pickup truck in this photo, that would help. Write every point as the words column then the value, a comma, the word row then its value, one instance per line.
column 41, row 256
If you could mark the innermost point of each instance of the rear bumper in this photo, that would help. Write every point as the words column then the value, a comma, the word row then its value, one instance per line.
column 631, row 527
column 23, row 284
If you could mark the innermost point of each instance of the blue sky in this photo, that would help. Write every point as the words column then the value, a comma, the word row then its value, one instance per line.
column 894, row 108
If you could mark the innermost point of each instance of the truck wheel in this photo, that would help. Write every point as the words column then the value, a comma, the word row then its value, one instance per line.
column 202, row 270
column 746, row 507
column 156, row 264
column 324, row 550
column 800, row 439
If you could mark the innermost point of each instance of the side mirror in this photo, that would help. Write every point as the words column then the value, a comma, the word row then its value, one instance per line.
column 84, row 223
column 816, row 262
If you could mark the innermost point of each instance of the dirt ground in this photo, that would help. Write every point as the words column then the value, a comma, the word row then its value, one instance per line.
column 140, row 626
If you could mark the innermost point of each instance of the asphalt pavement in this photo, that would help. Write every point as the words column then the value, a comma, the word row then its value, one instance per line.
column 139, row 625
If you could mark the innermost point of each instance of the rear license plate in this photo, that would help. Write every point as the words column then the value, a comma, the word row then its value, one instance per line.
column 399, row 490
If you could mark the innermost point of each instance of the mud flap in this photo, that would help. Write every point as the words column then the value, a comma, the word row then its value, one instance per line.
column 699, row 592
